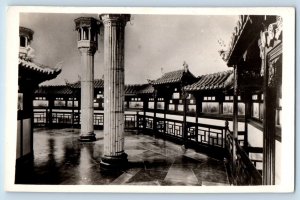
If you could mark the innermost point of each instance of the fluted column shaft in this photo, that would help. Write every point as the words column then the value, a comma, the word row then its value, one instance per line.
column 114, row 25
column 87, row 27
column 87, row 93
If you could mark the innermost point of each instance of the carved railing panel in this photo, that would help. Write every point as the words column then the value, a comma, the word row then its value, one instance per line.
column 130, row 121
column 40, row 118
column 243, row 171
column 98, row 119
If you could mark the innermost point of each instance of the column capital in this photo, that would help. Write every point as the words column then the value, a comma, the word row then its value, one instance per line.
column 88, row 50
column 114, row 19
column 88, row 29
column 88, row 22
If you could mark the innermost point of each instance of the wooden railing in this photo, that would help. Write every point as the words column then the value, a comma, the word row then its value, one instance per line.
column 130, row 121
column 195, row 133
column 98, row 120
column 40, row 118
column 66, row 119
column 243, row 170
column 206, row 134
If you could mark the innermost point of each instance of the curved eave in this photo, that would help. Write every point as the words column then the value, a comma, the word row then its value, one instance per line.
column 249, row 32
column 167, row 82
column 211, row 82
column 39, row 75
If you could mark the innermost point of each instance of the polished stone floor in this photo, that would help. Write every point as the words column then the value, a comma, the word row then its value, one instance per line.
column 59, row 158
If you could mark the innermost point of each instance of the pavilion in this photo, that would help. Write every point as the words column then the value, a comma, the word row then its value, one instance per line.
column 229, row 120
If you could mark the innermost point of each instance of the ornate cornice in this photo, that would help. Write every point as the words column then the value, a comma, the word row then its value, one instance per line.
column 87, row 22
column 270, row 38
column 115, row 19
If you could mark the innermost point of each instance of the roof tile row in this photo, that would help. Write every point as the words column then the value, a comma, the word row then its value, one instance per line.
column 170, row 77
column 219, row 80
column 29, row 65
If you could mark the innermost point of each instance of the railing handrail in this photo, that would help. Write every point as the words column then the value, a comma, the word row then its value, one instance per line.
column 256, row 177
column 247, row 161
column 179, row 121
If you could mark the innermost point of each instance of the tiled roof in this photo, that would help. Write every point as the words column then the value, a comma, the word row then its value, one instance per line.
column 147, row 89
column 129, row 89
column 98, row 83
column 29, row 65
column 171, row 77
column 132, row 89
column 54, row 89
column 219, row 80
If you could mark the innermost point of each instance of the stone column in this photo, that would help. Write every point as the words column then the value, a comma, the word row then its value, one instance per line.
column 87, row 45
column 114, row 155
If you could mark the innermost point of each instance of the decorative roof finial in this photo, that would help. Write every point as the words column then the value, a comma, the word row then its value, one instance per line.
column 185, row 66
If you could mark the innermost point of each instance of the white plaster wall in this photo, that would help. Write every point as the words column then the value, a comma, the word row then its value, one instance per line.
column 159, row 115
column 255, row 136
column 277, row 162
column 130, row 112
column 26, row 136
column 190, row 119
column 18, row 139
column 219, row 122
column 150, row 114
column 175, row 117
column 62, row 110
column 255, row 139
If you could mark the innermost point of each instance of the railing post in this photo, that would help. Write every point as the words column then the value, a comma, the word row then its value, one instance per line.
column 247, row 99
column 154, row 117
column 51, row 105
column 146, row 108
column 184, row 125
column 225, row 131
column 165, row 115
column 196, row 120
column 72, row 109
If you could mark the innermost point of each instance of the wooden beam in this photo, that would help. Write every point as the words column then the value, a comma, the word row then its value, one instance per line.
column 269, row 127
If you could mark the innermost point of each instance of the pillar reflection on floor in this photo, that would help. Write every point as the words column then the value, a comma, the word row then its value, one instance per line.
column 59, row 158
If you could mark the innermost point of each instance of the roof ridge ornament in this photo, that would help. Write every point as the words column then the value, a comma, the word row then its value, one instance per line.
column 185, row 66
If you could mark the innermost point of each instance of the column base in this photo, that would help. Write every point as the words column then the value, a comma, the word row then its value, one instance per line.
column 87, row 138
column 114, row 162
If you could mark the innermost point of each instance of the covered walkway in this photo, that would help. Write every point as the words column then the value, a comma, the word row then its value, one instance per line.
column 59, row 158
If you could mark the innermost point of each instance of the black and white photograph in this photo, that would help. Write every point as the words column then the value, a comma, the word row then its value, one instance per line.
column 151, row 99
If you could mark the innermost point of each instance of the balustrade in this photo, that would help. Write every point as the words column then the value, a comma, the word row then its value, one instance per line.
column 244, row 172
column 65, row 118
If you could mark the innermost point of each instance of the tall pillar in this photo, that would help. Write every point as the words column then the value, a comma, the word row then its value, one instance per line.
column 114, row 27
column 184, row 125
column 87, row 45
column 269, row 125
column 271, row 75
column 235, row 120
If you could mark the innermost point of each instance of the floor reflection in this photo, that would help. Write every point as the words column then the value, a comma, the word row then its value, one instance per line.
column 59, row 158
